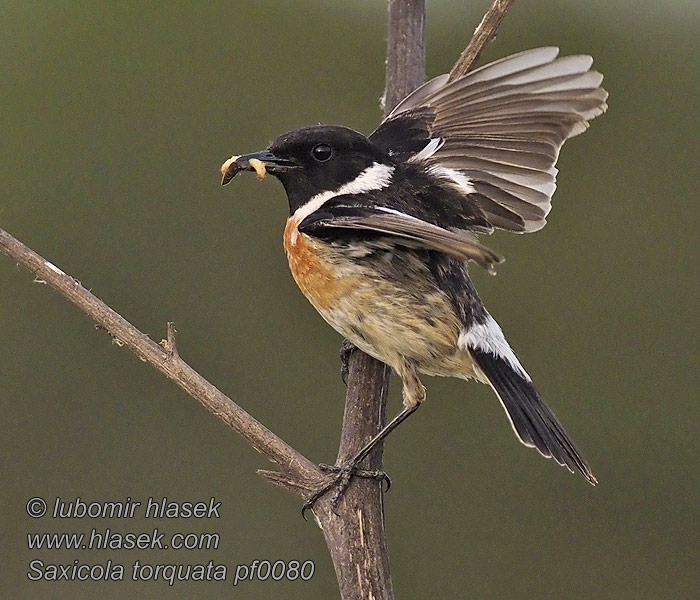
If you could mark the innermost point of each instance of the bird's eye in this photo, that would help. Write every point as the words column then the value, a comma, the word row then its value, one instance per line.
column 322, row 152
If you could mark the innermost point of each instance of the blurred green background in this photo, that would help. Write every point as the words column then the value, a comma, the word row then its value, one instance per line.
column 115, row 117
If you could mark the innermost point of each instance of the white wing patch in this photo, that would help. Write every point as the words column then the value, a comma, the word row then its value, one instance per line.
column 489, row 337
column 431, row 148
column 459, row 180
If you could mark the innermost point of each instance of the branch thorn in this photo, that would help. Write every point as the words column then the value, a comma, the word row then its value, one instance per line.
column 169, row 342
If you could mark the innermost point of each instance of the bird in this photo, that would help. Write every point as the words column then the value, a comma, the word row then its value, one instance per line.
column 382, row 228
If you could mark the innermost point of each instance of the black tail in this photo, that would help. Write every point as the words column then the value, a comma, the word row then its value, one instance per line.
column 533, row 421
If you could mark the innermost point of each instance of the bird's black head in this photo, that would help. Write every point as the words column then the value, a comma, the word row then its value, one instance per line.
column 311, row 160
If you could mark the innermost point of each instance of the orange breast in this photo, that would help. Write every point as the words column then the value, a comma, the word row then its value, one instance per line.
column 317, row 277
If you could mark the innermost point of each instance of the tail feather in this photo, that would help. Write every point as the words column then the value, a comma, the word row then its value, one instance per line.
column 533, row 421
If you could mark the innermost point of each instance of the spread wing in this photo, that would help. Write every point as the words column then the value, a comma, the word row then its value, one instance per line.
column 496, row 132
column 346, row 213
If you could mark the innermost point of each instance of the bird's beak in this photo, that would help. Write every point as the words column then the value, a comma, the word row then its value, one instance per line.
column 261, row 162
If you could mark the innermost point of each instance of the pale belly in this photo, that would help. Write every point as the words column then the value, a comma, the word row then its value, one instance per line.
column 388, row 324
column 386, row 319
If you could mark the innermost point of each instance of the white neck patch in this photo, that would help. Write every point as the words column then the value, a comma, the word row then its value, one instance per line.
column 375, row 177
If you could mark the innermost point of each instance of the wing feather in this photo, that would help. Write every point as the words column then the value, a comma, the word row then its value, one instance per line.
column 402, row 229
column 501, row 126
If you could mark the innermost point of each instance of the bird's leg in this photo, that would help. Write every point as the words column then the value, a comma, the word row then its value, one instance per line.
column 345, row 352
column 413, row 394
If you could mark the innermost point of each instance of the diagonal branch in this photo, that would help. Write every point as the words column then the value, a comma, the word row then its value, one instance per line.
column 483, row 34
column 166, row 360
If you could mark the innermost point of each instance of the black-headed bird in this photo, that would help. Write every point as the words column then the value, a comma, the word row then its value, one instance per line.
column 381, row 228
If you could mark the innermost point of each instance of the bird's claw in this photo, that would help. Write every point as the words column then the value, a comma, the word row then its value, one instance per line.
column 364, row 473
column 344, row 474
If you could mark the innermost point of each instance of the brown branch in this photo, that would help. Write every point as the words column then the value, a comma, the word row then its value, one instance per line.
column 483, row 34
column 405, row 55
column 354, row 531
column 361, row 559
column 166, row 360
column 363, row 569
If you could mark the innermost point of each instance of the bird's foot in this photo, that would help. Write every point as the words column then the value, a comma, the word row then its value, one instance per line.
column 357, row 472
column 345, row 352
column 339, row 483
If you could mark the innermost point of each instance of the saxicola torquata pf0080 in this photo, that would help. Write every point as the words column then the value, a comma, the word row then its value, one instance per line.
column 381, row 228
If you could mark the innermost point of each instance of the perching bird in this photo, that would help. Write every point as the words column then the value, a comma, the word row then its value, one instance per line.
column 381, row 228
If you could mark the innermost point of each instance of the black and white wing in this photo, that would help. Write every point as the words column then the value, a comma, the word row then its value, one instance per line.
column 495, row 134
column 355, row 215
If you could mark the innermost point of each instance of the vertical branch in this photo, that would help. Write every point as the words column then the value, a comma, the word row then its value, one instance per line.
column 362, row 562
column 405, row 56
column 368, row 379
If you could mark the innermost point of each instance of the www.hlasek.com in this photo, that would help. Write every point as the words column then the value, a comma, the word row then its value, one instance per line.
column 107, row 538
